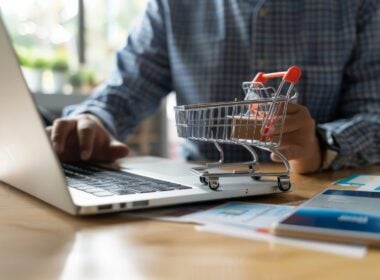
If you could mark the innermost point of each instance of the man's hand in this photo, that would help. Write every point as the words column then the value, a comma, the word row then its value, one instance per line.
column 84, row 137
column 299, row 142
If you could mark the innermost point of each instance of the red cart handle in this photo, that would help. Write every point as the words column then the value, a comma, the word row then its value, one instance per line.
column 291, row 76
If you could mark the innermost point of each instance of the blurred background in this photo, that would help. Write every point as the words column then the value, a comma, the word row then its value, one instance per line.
column 67, row 47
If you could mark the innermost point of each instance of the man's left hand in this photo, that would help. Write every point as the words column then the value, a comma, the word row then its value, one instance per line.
column 300, row 144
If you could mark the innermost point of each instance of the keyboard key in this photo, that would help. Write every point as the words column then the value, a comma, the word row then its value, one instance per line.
column 101, row 194
column 182, row 187
column 81, row 187
column 143, row 189
column 164, row 188
column 93, row 190
column 123, row 192
column 105, row 182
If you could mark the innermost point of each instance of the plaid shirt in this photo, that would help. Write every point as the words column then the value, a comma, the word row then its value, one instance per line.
column 204, row 49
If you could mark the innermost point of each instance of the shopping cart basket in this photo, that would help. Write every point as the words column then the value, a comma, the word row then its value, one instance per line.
column 256, row 121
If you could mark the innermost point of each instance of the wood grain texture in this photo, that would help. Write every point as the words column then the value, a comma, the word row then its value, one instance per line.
column 40, row 242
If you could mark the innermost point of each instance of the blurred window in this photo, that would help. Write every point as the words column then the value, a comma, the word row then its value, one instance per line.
column 46, row 35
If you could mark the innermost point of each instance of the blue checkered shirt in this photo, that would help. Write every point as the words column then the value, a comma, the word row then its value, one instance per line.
column 204, row 49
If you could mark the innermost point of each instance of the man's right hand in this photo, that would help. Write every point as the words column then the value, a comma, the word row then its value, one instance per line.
column 84, row 138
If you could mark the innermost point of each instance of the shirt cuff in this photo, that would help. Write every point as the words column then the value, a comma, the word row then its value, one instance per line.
column 328, row 157
column 329, row 147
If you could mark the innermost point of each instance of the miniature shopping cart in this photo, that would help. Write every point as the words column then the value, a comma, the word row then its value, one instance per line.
column 256, row 121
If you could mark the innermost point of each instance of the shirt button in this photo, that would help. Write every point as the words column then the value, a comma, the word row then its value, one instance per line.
column 262, row 13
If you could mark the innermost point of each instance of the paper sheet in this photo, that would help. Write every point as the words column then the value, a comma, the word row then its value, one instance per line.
column 365, row 182
column 354, row 251
column 244, row 220
column 240, row 214
column 251, row 215
column 179, row 214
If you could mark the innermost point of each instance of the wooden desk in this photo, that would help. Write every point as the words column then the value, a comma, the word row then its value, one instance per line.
column 40, row 242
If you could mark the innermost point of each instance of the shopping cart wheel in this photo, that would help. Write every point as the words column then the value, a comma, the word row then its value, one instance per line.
column 203, row 180
column 256, row 178
column 213, row 183
column 283, row 183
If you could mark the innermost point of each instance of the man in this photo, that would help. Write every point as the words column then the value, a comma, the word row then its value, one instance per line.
column 203, row 50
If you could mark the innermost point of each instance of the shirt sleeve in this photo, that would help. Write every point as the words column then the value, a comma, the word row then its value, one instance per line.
column 356, row 133
column 139, row 81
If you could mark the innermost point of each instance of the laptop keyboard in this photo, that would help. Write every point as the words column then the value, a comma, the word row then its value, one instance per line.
column 106, row 182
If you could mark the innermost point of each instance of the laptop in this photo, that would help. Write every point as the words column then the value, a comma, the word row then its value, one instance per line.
column 29, row 163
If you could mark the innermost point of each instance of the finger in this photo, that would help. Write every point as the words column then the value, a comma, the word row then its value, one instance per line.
column 48, row 130
column 72, row 151
column 290, row 152
column 299, row 120
column 297, row 116
column 59, row 132
column 294, row 108
column 114, row 151
column 86, row 136
column 293, row 138
column 275, row 158
column 117, row 150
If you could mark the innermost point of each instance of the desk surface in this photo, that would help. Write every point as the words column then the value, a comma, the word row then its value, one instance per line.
column 41, row 242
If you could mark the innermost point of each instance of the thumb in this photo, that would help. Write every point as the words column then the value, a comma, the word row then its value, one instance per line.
column 290, row 152
column 274, row 157
column 48, row 130
column 118, row 149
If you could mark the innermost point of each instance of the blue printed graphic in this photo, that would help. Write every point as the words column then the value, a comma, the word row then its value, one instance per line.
column 335, row 219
